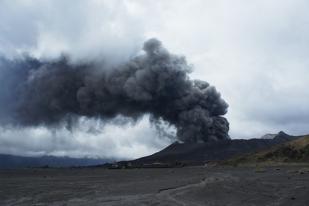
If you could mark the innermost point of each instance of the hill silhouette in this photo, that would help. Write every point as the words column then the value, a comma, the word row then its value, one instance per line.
column 199, row 153
column 292, row 151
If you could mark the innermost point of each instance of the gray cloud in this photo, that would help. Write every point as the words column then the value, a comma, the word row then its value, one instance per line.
column 156, row 83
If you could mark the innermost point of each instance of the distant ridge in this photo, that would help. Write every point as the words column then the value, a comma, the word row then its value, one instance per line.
column 14, row 162
column 292, row 151
column 268, row 136
column 199, row 153
column 280, row 134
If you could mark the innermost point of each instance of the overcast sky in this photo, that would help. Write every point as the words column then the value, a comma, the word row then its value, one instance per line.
column 254, row 52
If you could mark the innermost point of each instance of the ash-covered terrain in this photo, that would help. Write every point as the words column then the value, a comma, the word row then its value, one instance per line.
column 234, row 186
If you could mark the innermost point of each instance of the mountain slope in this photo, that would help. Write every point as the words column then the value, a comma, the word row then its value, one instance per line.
column 197, row 153
column 293, row 151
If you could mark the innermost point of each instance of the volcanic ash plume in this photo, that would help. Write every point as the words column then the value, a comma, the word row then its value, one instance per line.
column 34, row 93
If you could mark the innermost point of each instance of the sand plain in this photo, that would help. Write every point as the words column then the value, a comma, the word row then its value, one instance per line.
column 280, row 185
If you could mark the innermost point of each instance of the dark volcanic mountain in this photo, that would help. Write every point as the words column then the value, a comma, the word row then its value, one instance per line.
column 198, row 153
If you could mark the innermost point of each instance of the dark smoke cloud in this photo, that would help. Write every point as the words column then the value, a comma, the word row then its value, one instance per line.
column 34, row 93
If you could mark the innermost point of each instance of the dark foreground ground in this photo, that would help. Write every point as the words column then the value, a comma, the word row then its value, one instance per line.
column 285, row 185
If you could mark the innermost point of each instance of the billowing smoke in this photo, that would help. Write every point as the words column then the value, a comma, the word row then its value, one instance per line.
column 50, row 93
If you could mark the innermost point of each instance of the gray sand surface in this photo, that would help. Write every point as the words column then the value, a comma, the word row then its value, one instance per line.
column 285, row 185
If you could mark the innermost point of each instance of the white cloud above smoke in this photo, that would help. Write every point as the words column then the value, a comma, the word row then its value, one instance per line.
column 255, row 53
column 90, row 30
